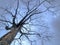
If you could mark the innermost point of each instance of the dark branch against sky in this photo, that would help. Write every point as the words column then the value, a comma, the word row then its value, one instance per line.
column 28, row 16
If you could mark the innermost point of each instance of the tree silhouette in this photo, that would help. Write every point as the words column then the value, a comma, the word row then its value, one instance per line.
column 23, row 18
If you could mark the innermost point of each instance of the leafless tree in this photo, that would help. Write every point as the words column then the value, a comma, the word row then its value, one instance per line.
column 26, row 21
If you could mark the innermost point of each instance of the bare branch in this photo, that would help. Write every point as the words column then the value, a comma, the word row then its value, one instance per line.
column 14, row 17
column 36, row 13
column 35, row 33
column 7, row 11
column 20, row 14
column 37, row 25
column 5, row 21
column 17, row 8
column 28, row 6
column 25, row 28
column 22, row 21
column 28, row 39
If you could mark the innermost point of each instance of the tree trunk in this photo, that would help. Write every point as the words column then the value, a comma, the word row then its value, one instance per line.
column 9, row 37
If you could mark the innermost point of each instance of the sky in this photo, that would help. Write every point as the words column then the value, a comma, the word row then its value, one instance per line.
column 48, row 18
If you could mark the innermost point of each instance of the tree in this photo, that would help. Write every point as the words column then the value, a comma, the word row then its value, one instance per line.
column 24, row 18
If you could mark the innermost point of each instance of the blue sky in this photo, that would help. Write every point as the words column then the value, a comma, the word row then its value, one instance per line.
column 47, row 18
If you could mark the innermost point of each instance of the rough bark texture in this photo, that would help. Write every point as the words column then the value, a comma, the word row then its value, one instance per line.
column 9, row 37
